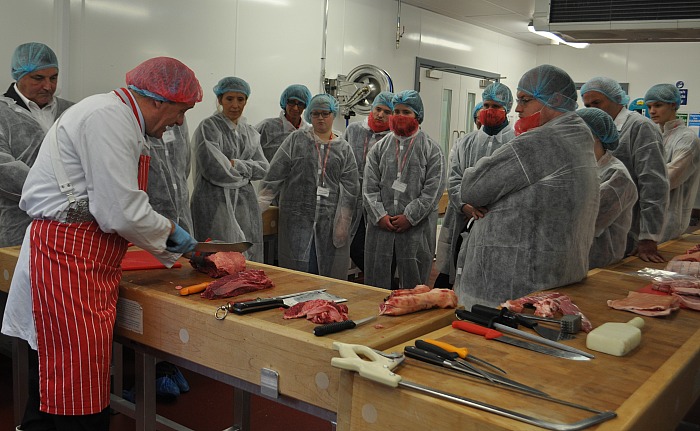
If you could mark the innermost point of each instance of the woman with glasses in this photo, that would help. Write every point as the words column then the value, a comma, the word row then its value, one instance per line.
column 315, row 175
column 227, row 158
column 273, row 131
column 403, row 182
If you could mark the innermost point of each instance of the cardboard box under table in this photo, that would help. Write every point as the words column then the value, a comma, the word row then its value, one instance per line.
column 650, row 389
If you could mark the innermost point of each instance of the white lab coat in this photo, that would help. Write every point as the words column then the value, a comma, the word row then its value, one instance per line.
column 99, row 142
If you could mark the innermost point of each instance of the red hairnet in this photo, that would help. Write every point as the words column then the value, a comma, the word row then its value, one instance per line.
column 165, row 78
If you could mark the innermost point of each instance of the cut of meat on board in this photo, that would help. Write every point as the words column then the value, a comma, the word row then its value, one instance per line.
column 319, row 311
column 219, row 264
column 646, row 304
column 547, row 305
column 674, row 284
column 237, row 284
column 689, row 301
column 404, row 301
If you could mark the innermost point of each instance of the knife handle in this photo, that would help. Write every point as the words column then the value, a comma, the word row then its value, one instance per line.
column 433, row 348
column 423, row 355
column 476, row 318
column 256, row 305
column 334, row 327
column 502, row 316
column 473, row 328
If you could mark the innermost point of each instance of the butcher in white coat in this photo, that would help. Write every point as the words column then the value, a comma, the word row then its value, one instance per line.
column 86, row 196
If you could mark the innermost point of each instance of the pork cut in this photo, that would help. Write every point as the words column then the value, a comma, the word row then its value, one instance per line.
column 319, row 311
column 678, row 284
column 547, row 305
column 421, row 297
column 646, row 304
column 237, row 284
column 219, row 264
column 689, row 301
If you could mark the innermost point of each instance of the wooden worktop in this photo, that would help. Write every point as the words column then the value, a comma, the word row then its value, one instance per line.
column 651, row 388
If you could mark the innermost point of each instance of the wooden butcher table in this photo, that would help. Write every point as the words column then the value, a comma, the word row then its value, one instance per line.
column 244, row 351
column 650, row 389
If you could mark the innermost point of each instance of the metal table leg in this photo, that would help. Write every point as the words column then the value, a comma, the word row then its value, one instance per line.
column 241, row 409
column 145, row 373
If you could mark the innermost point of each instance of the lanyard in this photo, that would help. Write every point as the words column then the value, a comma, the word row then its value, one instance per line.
column 405, row 156
column 322, row 164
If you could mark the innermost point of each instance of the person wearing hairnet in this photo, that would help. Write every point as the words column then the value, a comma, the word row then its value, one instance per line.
column 273, row 131
column 495, row 132
column 404, row 180
column 228, row 157
column 315, row 175
column 27, row 110
column 86, row 196
column 362, row 136
column 682, row 152
column 170, row 165
column 541, row 193
column 641, row 150
column 475, row 115
column 618, row 193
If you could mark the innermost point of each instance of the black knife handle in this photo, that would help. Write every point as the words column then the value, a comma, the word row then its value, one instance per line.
column 334, row 327
column 476, row 318
column 423, row 355
column 256, row 305
column 502, row 316
column 432, row 348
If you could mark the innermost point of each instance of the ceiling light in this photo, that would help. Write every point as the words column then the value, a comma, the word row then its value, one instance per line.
column 557, row 40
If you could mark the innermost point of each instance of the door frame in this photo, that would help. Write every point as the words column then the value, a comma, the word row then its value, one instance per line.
column 452, row 68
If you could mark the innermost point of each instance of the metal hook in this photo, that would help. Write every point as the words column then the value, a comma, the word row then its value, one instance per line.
column 222, row 311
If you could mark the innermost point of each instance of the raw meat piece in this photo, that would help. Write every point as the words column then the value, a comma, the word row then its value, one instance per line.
column 646, row 304
column 404, row 301
column 681, row 286
column 319, row 311
column 689, row 301
column 547, row 305
column 688, row 257
column 238, row 284
column 693, row 249
column 219, row 264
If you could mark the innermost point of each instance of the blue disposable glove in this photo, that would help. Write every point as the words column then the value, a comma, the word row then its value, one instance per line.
column 180, row 241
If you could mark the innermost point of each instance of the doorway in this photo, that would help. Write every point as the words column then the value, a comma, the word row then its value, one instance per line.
column 449, row 93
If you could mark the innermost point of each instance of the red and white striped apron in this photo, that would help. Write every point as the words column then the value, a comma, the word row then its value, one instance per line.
column 75, row 272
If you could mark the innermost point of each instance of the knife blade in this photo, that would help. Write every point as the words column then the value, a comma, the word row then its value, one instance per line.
column 334, row 327
column 435, row 359
column 491, row 323
column 217, row 246
column 260, row 304
column 492, row 334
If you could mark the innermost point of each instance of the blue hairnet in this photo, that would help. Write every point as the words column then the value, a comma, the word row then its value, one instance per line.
column 297, row 92
column 477, row 108
column 551, row 86
column 321, row 102
column 499, row 93
column 609, row 87
column 602, row 126
column 412, row 99
column 232, row 84
column 383, row 98
column 30, row 57
column 666, row 93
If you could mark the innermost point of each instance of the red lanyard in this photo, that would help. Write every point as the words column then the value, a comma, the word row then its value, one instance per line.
column 325, row 160
column 405, row 156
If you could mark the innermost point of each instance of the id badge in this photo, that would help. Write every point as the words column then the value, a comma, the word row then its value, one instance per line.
column 399, row 186
column 322, row 191
column 168, row 136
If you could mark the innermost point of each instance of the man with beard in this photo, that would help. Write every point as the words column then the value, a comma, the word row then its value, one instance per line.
column 403, row 181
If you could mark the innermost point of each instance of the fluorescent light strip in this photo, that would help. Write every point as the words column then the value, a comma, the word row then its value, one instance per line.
column 556, row 38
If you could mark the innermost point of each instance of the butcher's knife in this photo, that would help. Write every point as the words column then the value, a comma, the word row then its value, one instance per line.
column 334, row 327
column 217, row 246
column 260, row 304
column 492, row 334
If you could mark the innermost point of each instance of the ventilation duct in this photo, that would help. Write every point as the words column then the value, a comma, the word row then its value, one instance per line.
column 610, row 21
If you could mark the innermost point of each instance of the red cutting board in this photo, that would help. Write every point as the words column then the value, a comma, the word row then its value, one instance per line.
column 141, row 259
